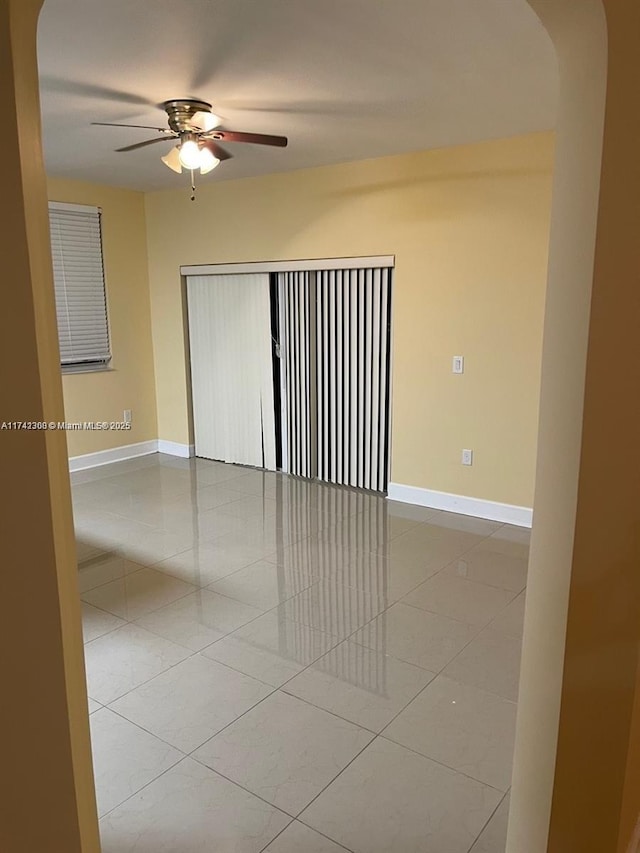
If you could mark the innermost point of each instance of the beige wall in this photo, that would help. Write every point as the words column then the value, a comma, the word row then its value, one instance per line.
column 469, row 228
column 129, row 384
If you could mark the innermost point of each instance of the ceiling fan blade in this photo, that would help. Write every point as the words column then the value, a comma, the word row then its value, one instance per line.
column 146, row 142
column 91, row 90
column 255, row 138
column 217, row 150
column 143, row 126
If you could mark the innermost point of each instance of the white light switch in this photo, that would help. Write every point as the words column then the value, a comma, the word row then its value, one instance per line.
column 458, row 364
column 467, row 457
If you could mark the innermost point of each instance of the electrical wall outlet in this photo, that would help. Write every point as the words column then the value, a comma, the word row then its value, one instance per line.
column 127, row 416
column 457, row 364
column 467, row 457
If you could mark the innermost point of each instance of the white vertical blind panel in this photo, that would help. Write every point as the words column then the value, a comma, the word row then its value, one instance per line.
column 383, row 409
column 333, row 401
column 353, row 377
column 231, row 368
column 324, row 352
column 361, row 371
column 346, row 372
column 368, row 378
column 285, row 408
column 339, row 376
column 305, row 380
column 293, row 296
column 76, row 251
column 375, row 376
column 319, row 389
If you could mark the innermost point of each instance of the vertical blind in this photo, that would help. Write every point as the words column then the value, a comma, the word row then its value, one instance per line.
column 335, row 332
column 353, row 328
column 78, row 274
column 231, row 368
column 297, row 318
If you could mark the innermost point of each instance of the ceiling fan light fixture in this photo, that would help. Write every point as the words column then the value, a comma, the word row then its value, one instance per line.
column 172, row 160
column 190, row 154
column 208, row 161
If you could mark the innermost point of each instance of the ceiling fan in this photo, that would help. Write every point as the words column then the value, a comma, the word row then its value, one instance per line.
column 197, row 131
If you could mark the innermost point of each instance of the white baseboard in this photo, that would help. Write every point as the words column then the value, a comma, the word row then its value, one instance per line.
column 115, row 454
column 129, row 451
column 521, row 516
column 173, row 448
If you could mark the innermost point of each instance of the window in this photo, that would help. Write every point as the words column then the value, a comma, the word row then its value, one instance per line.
column 78, row 275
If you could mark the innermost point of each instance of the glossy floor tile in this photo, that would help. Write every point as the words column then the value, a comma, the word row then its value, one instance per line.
column 331, row 607
column 191, row 702
column 271, row 648
column 384, row 577
column 265, row 584
column 298, row 838
column 491, row 567
column 461, row 599
column 360, row 685
column 491, row 662
column 284, row 750
column 96, row 622
column 191, row 809
column 511, row 620
column 416, row 636
column 390, row 798
column 493, row 838
column 125, row 658
column 137, row 593
column 278, row 665
column 199, row 619
column 462, row 727
column 125, row 758
column 100, row 567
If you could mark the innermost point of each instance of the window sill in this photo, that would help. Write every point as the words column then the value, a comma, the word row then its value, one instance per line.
column 92, row 368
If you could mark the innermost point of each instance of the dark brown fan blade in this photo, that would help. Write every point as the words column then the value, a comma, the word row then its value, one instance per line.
column 146, row 142
column 217, row 150
column 143, row 126
column 256, row 138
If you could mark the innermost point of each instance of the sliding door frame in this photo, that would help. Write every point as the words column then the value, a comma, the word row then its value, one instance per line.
column 294, row 265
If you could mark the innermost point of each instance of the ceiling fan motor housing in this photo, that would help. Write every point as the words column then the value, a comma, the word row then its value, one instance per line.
column 181, row 113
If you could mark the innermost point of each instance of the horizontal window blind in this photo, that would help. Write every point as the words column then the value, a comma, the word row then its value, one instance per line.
column 78, row 273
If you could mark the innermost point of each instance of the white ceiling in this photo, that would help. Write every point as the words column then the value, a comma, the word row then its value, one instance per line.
column 343, row 79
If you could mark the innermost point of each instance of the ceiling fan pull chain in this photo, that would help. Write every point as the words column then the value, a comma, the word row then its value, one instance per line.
column 193, row 186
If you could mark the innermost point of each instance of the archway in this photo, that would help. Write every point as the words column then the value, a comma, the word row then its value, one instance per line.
column 575, row 777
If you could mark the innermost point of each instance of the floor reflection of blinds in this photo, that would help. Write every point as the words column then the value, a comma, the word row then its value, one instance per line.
column 349, row 340
column 232, row 380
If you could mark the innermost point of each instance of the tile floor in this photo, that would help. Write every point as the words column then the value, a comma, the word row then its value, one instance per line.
column 275, row 665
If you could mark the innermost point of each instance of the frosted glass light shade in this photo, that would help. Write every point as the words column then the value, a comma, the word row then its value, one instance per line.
column 172, row 160
column 190, row 154
column 208, row 161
